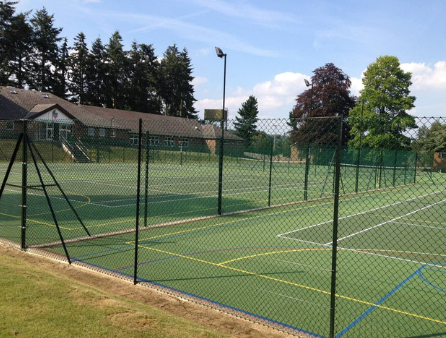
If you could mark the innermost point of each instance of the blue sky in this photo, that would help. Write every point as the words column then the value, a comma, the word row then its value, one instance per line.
column 272, row 46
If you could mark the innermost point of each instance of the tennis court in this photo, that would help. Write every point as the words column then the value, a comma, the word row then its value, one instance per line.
column 270, row 255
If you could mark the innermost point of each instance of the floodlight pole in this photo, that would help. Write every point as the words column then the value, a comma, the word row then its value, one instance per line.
column 220, row 54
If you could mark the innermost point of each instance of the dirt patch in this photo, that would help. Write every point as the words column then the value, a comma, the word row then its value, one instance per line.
column 192, row 311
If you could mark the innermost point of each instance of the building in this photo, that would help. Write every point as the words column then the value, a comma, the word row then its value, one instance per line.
column 55, row 119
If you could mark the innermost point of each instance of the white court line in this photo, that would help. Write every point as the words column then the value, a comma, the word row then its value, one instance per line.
column 357, row 214
column 394, row 219
column 420, row 225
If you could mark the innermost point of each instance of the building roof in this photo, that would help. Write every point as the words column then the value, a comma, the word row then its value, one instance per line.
column 16, row 104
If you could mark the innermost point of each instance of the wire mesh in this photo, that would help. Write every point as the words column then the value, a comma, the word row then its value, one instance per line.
column 269, row 255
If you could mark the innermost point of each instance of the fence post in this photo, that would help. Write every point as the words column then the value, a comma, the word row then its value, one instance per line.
column 307, row 170
column 146, row 187
column 24, row 183
column 138, row 185
column 335, row 231
column 220, row 168
column 270, row 173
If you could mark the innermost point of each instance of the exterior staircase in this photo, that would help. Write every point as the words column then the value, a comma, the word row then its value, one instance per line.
column 76, row 149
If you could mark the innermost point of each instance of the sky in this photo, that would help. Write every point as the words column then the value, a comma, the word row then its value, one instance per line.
column 272, row 46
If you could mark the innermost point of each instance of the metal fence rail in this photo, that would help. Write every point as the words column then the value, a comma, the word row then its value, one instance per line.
column 293, row 225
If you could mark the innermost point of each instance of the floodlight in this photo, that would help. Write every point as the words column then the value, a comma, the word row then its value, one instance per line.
column 219, row 52
column 308, row 84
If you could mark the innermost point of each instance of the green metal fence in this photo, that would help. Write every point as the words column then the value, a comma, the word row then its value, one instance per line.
column 291, row 226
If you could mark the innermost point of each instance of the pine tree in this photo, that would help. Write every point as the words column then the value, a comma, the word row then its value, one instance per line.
column 45, row 51
column 176, row 89
column 7, row 12
column 245, row 125
column 96, row 75
column 142, row 90
column 116, row 77
column 78, row 69
column 61, row 72
column 20, row 45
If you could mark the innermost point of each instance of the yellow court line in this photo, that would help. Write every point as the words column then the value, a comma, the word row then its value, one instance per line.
column 35, row 221
column 295, row 284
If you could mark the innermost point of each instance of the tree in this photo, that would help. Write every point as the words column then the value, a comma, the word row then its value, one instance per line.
column 45, row 51
column 431, row 139
column 329, row 96
column 6, row 16
column 176, row 90
column 96, row 75
column 116, row 78
column 60, row 86
column 19, row 47
column 380, row 118
column 78, row 72
column 245, row 125
column 142, row 92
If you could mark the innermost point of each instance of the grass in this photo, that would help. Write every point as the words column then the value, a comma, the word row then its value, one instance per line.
column 35, row 302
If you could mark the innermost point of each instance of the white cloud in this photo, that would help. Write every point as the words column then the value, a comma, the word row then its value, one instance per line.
column 284, row 84
column 242, row 9
column 426, row 77
column 198, row 80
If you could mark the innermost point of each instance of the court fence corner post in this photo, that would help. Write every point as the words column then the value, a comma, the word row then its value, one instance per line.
column 220, row 168
column 24, row 184
column 335, row 229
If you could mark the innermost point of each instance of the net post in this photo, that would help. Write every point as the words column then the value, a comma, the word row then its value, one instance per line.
column 394, row 167
column 220, row 169
column 307, row 170
column 138, row 188
column 24, row 183
column 415, row 168
column 270, row 173
column 335, row 231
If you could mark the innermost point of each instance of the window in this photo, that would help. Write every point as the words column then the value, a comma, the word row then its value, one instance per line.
column 134, row 139
column 154, row 141
column 90, row 131
column 113, row 132
column 442, row 154
column 101, row 132
column 9, row 125
column 168, row 141
column 184, row 142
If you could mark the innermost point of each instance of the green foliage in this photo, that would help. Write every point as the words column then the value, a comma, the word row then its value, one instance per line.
column 245, row 125
column 176, row 88
column 45, row 51
column 380, row 118
column 116, row 77
column 78, row 64
column 431, row 139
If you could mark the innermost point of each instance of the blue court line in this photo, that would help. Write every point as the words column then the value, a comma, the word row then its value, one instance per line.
column 366, row 313
column 424, row 279
column 208, row 300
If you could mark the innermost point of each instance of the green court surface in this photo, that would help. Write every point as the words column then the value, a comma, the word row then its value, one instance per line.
column 271, row 263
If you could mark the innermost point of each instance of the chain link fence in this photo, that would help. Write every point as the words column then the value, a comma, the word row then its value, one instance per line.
column 301, row 224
